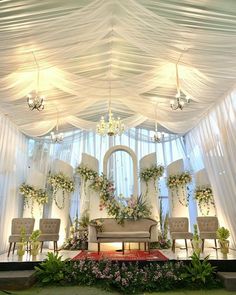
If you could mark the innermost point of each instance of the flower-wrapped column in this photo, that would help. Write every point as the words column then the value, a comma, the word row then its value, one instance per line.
column 204, row 194
column 149, row 183
column 61, row 199
column 32, row 207
column 177, row 192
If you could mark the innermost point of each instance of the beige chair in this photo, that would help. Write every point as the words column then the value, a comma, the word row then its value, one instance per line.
column 16, row 227
column 49, row 228
column 207, row 226
column 179, row 229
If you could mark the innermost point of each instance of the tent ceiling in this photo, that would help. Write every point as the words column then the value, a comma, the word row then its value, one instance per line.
column 84, row 47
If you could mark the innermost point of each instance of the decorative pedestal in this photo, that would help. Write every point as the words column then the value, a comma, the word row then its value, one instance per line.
column 63, row 214
column 37, row 180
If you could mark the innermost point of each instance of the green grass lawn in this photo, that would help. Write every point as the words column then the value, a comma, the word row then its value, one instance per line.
column 78, row 290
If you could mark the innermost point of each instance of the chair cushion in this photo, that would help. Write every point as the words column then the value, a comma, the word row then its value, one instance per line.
column 48, row 237
column 181, row 235
column 113, row 235
column 208, row 235
column 17, row 238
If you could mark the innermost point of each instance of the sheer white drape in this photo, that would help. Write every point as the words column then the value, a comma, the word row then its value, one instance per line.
column 13, row 166
column 70, row 151
column 215, row 138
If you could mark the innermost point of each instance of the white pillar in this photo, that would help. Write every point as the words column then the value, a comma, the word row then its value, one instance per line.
column 64, row 213
column 202, row 179
column 37, row 180
column 176, row 208
column 152, row 196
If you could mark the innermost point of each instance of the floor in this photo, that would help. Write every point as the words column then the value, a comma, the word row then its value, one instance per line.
column 180, row 254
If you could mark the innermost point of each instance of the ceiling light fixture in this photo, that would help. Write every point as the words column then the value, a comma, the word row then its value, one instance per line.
column 57, row 137
column 180, row 99
column 157, row 136
column 34, row 99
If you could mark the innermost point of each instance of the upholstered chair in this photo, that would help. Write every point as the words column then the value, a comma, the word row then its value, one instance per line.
column 49, row 228
column 179, row 229
column 207, row 226
column 16, row 227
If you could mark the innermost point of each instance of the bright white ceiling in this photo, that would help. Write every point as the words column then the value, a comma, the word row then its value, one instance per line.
column 82, row 45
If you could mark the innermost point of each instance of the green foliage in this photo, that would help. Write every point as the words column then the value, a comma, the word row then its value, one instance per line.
column 35, row 235
column 195, row 233
column 199, row 273
column 52, row 270
column 84, row 220
column 22, row 235
column 222, row 233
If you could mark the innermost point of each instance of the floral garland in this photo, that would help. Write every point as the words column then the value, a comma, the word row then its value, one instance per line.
column 134, row 208
column 174, row 182
column 60, row 181
column 204, row 197
column 35, row 195
column 153, row 173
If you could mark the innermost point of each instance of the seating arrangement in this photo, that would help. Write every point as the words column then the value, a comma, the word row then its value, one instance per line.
column 141, row 230
column 179, row 229
column 49, row 228
column 16, row 227
column 207, row 226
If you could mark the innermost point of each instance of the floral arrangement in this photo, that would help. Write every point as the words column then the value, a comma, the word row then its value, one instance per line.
column 98, row 223
column 204, row 198
column 175, row 182
column 60, row 181
column 135, row 207
column 35, row 195
column 153, row 173
column 78, row 239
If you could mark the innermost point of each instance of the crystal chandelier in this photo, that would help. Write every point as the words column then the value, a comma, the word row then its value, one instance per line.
column 157, row 136
column 57, row 137
column 34, row 99
column 113, row 126
column 180, row 99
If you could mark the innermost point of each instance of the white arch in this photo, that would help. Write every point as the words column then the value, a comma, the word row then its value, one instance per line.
column 133, row 157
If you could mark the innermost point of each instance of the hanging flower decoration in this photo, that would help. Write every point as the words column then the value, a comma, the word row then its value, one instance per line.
column 180, row 181
column 204, row 197
column 60, row 182
column 153, row 173
column 134, row 208
column 35, row 195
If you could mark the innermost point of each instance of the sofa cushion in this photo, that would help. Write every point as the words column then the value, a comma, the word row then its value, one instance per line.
column 181, row 235
column 208, row 235
column 134, row 234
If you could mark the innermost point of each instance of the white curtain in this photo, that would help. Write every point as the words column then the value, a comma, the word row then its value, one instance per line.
column 70, row 151
column 13, row 166
column 214, row 142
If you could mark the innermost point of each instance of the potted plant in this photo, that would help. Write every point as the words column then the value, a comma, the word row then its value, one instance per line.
column 196, row 242
column 21, row 245
column 222, row 235
column 34, row 242
column 84, row 240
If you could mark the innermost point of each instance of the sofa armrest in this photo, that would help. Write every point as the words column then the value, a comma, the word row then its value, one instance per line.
column 153, row 233
column 92, row 234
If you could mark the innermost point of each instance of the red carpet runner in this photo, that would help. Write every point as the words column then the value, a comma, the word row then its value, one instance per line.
column 133, row 255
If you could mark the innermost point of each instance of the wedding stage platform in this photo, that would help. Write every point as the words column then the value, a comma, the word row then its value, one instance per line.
column 216, row 258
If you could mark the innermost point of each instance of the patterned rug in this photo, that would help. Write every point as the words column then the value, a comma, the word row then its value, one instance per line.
column 129, row 255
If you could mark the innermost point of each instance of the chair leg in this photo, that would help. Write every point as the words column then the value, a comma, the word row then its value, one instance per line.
column 145, row 246
column 173, row 245
column 14, row 246
column 9, row 250
column 203, row 245
column 148, row 247
column 139, row 246
column 123, row 248
column 186, row 245
column 56, row 246
column 98, row 248
column 215, row 244
column 41, row 249
column 191, row 243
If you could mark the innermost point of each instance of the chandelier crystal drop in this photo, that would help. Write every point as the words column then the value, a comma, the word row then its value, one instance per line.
column 180, row 98
column 57, row 137
column 112, row 127
column 35, row 100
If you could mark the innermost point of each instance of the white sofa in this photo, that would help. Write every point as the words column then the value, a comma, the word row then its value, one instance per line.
column 141, row 230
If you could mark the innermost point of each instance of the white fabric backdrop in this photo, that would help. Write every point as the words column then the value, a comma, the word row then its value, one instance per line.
column 13, row 166
column 215, row 138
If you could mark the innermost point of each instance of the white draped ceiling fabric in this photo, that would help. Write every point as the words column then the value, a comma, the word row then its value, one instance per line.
column 84, row 46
